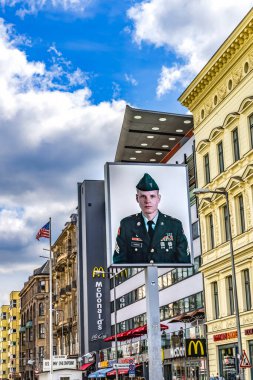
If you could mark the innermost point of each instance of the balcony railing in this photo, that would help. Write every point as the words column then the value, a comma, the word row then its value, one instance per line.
column 68, row 289
column 63, row 292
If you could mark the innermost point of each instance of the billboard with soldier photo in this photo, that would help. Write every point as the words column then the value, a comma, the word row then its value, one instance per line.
column 147, row 215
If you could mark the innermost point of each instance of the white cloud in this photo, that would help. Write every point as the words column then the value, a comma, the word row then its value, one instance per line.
column 26, row 7
column 129, row 78
column 191, row 30
column 50, row 140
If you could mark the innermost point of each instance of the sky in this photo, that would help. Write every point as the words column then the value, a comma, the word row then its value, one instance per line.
column 67, row 70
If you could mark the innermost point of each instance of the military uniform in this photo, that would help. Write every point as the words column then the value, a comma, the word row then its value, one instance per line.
column 168, row 245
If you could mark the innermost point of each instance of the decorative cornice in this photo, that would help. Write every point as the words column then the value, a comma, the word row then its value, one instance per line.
column 235, row 42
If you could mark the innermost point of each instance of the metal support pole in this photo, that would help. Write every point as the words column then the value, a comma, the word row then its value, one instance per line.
column 237, row 314
column 50, row 304
column 115, row 323
column 153, row 323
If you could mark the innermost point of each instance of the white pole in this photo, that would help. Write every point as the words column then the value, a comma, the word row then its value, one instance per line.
column 50, row 304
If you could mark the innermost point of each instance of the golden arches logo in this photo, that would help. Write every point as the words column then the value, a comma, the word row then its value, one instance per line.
column 96, row 272
column 196, row 344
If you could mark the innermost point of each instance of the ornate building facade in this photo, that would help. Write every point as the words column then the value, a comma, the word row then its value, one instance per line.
column 221, row 100
column 34, row 329
column 65, row 290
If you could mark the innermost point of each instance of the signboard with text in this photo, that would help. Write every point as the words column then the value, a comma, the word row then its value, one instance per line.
column 59, row 363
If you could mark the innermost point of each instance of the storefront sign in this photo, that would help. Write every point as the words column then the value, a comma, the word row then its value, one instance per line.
column 249, row 332
column 103, row 364
column 195, row 348
column 176, row 352
column 59, row 364
column 225, row 336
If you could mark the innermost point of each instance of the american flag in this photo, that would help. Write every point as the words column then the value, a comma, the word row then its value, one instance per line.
column 44, row 232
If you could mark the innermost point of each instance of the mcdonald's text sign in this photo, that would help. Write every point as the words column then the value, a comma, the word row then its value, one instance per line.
column 195, row 348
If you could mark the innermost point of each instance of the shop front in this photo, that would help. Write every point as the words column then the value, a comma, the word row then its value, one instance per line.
column 227, row 355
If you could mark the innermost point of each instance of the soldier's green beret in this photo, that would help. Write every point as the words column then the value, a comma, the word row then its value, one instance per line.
column 147, row 183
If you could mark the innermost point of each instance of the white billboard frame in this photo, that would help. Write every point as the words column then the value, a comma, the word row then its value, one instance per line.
column 120, row 201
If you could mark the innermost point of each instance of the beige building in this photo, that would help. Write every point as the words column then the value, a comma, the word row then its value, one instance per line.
column 4, row 316
column 65, row 291
column 221, row 100
column 34, row 329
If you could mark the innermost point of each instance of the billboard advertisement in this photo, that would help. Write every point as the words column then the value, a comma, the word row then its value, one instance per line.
column 147, row 215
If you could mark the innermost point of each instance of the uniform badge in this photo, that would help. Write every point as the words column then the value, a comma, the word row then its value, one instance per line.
column 136, row 238
column 169, row 244
column 116, row 248
column 162, row 244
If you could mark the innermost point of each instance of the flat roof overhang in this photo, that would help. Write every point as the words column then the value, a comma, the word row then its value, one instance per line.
column 151, row 136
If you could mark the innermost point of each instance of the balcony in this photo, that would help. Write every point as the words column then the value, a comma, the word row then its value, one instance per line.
column 22, row 329
column 63, row 292
column 68, row 289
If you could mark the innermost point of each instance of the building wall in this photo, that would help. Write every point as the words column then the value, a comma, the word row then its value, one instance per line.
column 34, row 329
column 13, row 335
column 221, row 100
column 4, row 315
column 65, row 291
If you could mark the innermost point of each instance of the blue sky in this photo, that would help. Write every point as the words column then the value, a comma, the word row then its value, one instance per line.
column 68, row 69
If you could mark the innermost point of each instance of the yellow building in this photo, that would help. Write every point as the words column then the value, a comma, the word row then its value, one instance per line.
column 13, row 335
column 221, row 100
column 4, row 316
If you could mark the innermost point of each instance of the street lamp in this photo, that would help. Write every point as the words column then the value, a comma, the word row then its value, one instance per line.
column 115, row 317
column 237, row 315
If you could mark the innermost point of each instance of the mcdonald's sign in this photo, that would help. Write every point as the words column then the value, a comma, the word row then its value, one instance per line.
column 195, row 348
column 98, row 269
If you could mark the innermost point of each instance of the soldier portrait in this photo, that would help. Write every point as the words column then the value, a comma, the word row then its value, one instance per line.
column 151, row 235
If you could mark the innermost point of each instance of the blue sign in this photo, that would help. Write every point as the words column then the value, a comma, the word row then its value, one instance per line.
column 131, row 372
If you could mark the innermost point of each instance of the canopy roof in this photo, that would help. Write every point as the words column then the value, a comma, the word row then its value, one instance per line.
column 138, row 331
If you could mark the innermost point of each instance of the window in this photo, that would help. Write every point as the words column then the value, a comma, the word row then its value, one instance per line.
column 241, row 219
column 236, row 144
column 195, row 230
column 207, row 168
column 42, row 286
column 216, row 311
column 251, row 129
column 225, row 222
column 247, row 289
column 210, row 231
column 220, row 157
column 41, row 331
column 230, row 294
column 41, row 354
column 41, row 309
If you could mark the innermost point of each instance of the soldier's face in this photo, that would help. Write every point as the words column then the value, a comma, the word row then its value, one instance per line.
column 148, row 201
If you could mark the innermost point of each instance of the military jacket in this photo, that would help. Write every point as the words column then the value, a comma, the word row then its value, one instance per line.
column 133, row 244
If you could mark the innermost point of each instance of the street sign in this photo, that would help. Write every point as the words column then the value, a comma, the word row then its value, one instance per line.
column 120, row 365
column 245, row 363
column 131, row 372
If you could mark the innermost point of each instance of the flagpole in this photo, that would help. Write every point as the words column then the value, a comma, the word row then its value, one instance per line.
column 50, row 303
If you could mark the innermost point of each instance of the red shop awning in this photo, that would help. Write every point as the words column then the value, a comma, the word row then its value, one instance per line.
column 138, row 331
column 85, row 366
